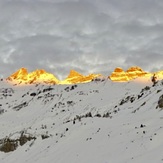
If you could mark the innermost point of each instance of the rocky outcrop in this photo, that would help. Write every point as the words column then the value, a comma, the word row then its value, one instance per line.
column 160, row 102
column 39, row 76
column 75, row 77
column 8, row 145
column 119, row 75
column 21, row 74
column 133, row 72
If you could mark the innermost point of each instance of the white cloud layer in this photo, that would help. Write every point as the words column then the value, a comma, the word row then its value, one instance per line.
column 85, row 35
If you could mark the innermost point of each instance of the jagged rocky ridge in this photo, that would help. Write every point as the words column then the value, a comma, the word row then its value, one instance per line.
column 22, row 76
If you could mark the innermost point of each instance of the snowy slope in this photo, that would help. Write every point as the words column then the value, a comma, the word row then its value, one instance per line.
column 96, row 122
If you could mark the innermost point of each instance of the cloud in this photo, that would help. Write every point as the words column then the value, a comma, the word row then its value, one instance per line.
column 85, row 35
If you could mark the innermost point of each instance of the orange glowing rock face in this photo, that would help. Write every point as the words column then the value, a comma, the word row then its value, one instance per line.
column 39, row 76
column 75, row 77
column 119, row 75
column 133, row 72
column 19, row 75
column 74, row 74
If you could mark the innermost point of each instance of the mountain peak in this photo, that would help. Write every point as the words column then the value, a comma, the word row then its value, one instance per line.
column 133, row 72
column 74, row 73
column 118, row 69
column 39, row 76
column 22, row 76
column 19, row 74
column 75, row 77
column 118, row 75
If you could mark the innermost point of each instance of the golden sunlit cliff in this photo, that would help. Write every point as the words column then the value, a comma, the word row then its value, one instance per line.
column 133, row 72
column 75, row 77
column 39, row 76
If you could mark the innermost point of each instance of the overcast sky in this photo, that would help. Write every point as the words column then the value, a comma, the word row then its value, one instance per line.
column 90, row 36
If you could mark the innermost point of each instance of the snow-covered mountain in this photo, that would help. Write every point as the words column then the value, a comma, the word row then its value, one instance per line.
column 95, row 122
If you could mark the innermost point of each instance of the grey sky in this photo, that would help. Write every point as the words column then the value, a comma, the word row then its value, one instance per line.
column 90, row 36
